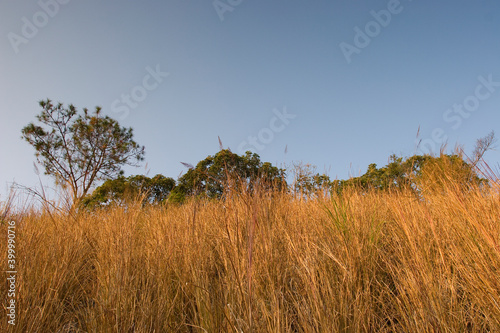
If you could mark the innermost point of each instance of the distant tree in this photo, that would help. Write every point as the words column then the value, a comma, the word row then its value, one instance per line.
column 80, row 149
column 447, row 171
column 151, row 190
column 395, row 174
column 307, row 182
column 215, row 175
column 414, row 173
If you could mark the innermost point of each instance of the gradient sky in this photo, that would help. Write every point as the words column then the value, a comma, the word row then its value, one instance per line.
column 233, row 68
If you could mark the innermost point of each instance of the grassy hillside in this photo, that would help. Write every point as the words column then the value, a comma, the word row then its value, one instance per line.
column 366, row 261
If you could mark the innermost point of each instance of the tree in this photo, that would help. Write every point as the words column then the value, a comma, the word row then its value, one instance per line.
column 153, row 190
column 78, row 149
column 307, row 182
column 215, row 175
column 415, row 172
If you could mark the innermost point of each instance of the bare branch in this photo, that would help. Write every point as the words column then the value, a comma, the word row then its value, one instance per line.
column 482, row 146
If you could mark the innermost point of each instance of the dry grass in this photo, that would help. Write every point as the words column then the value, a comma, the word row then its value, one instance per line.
column 363, row 262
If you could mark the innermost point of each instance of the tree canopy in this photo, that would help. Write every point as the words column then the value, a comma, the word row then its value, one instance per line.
column 217, row 174
column 78, row 149
column 150, row 190
column 415, row 173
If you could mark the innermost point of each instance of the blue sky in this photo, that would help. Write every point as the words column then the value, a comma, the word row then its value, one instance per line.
column 342, row 84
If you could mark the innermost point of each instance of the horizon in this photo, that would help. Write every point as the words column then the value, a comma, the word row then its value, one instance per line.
column 338, row 86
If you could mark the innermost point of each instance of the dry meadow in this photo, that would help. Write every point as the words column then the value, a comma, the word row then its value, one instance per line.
column 363, row 261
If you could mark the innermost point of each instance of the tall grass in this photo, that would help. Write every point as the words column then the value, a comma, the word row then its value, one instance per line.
column 365, row 261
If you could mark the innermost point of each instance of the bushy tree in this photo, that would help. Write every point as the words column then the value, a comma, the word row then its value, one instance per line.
column 150, row 190
column 78, row 149
column 414, row 172
column 217, row 174
column 307, row 182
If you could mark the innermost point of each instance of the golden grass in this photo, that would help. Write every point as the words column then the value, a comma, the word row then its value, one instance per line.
column 361, row 262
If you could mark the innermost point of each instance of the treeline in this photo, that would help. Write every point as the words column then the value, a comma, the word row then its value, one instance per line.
column 211, row 178
column 226, row 172
column 80, row 149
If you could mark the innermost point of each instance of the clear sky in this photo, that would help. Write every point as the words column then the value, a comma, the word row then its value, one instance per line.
column 342, row 84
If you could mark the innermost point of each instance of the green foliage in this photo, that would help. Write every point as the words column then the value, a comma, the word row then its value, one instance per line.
column 152, row 190
column 80, row 149
column 307, row 182
column 215, row 175
column 414, row 172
